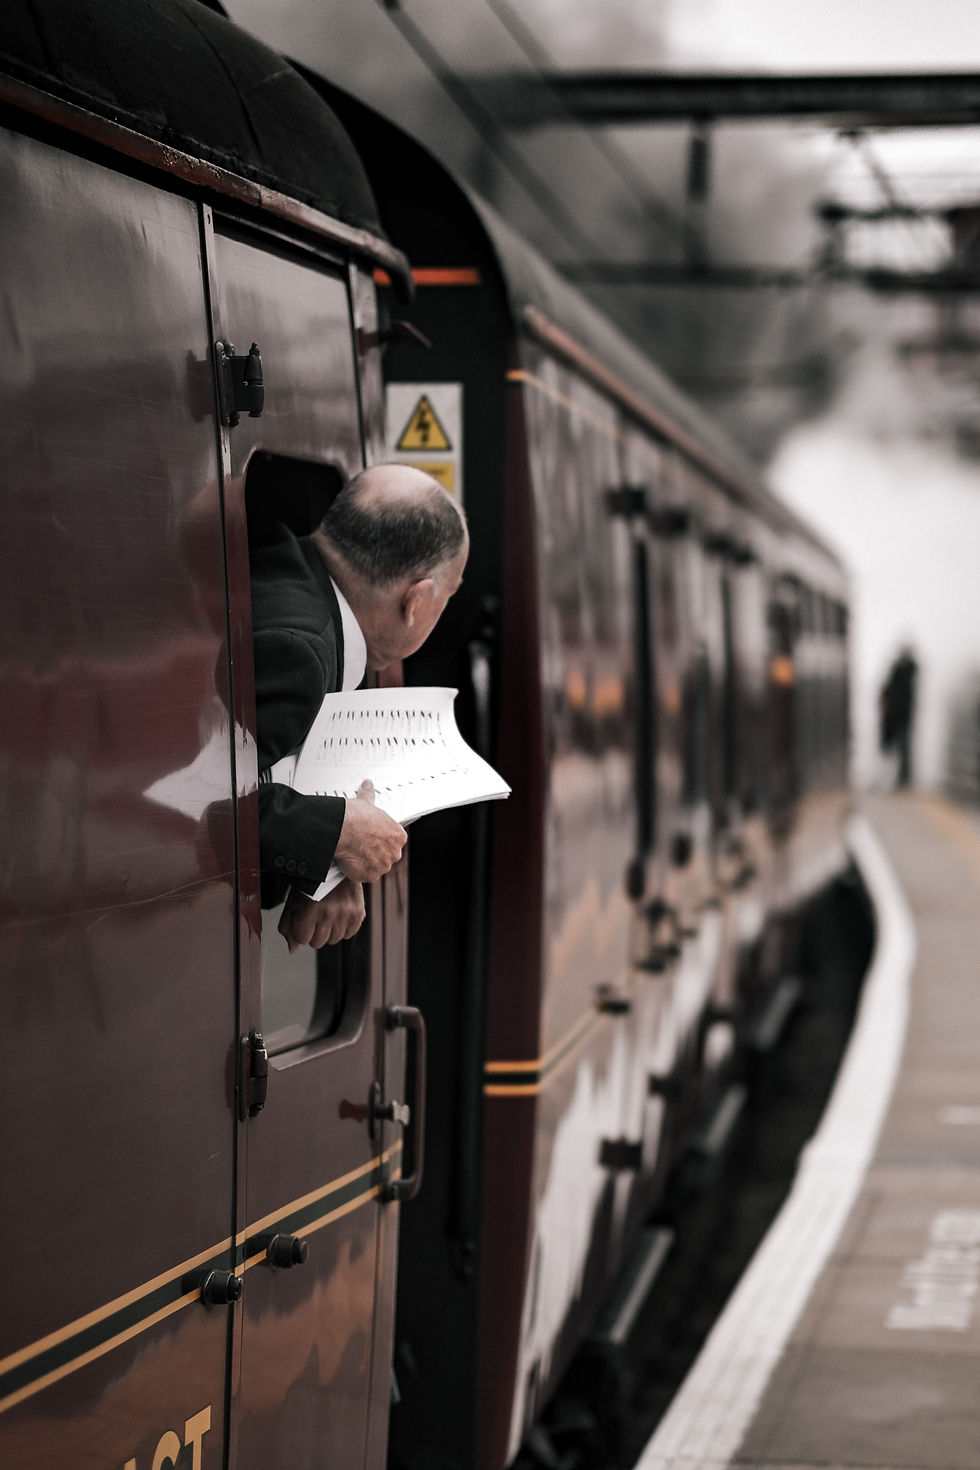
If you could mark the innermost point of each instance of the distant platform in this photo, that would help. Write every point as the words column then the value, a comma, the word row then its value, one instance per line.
column 853, row 1340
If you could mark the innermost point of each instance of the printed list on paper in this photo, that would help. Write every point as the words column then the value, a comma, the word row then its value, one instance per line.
column 406, row 742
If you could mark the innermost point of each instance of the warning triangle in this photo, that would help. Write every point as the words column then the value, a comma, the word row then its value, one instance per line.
column 423, row 430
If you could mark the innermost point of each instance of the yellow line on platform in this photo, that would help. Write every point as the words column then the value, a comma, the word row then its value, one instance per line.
column 956, row 826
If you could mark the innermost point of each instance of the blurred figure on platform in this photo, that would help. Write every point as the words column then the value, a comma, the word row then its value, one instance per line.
column 896, row 713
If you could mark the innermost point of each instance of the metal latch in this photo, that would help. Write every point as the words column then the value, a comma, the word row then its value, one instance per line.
column 241, row 388
column 389, row 1112
column 627, row 501
column 253, row 1070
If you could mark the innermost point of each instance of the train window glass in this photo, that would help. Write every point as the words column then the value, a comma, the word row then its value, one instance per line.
column 728, row 694
column 609, row 574
column 696, row 687
column 646, row 754
column 310, row 994
column 781, row 771
column 697, row 744
column 751, row 640
column 289, row 988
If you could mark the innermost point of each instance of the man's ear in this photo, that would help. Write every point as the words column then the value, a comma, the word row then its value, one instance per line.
column 417, row 597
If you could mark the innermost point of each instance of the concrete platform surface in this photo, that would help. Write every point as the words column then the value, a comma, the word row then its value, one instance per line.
column 854, row 1340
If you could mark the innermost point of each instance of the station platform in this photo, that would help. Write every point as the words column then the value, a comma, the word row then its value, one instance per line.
column 853, row 1340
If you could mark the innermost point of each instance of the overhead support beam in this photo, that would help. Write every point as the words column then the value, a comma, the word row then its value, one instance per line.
column 654, row 273
column 834, row 212
column 918, row 283
column 618, row 98
column 739, row 277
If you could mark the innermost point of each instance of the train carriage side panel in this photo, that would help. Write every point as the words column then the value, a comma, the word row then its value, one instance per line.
column 510, row 1074
column 118, row 928
column 575, row 1074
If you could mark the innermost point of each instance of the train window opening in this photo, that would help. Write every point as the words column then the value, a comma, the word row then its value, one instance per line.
column 292, row 492
column 309, row 995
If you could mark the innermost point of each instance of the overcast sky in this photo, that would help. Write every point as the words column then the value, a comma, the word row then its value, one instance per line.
column 824, row 35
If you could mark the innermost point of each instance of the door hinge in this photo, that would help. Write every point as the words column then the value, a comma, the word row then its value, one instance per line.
column 241, row 388
column 253, row 1072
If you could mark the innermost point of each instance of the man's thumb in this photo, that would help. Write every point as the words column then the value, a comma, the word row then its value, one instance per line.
column 366, row 790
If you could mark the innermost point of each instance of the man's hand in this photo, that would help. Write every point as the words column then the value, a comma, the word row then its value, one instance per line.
column 370, row 841
column 336, row 917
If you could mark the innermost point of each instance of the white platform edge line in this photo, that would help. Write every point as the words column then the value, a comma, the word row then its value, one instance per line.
column 714, row 1408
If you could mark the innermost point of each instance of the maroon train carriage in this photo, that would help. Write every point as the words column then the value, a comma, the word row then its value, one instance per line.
column 173, row 193
column 652, row 650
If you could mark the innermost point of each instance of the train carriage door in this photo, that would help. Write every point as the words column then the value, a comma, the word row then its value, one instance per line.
column 117, row 925
column 316, row 1244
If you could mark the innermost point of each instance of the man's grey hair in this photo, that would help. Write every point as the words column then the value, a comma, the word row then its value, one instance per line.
column 385, row 541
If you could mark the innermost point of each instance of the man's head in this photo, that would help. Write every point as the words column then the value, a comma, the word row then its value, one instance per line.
column 396, row 544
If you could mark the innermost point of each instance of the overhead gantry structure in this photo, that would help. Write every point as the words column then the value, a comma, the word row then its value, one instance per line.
column 852, row 104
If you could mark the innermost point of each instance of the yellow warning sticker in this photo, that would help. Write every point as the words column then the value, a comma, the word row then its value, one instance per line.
column 424, row 427
column 423, row 430
column 442, row 470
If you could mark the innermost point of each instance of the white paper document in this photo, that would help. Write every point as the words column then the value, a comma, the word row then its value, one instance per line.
column 406, row 742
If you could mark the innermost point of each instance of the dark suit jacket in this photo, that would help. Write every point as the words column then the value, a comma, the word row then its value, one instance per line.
column 299, row 657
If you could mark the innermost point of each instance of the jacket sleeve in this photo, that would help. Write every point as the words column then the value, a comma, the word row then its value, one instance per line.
column 297, row 834
column 290, row 682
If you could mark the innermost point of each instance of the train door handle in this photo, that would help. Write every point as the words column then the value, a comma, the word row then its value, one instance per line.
column 410, row 1019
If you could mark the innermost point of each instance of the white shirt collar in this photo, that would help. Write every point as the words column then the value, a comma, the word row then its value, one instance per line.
column 355, row 649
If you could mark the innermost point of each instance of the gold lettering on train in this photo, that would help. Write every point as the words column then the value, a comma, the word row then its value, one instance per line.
column 167, row 1450
column 170, row 1444
column 194, row 1431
